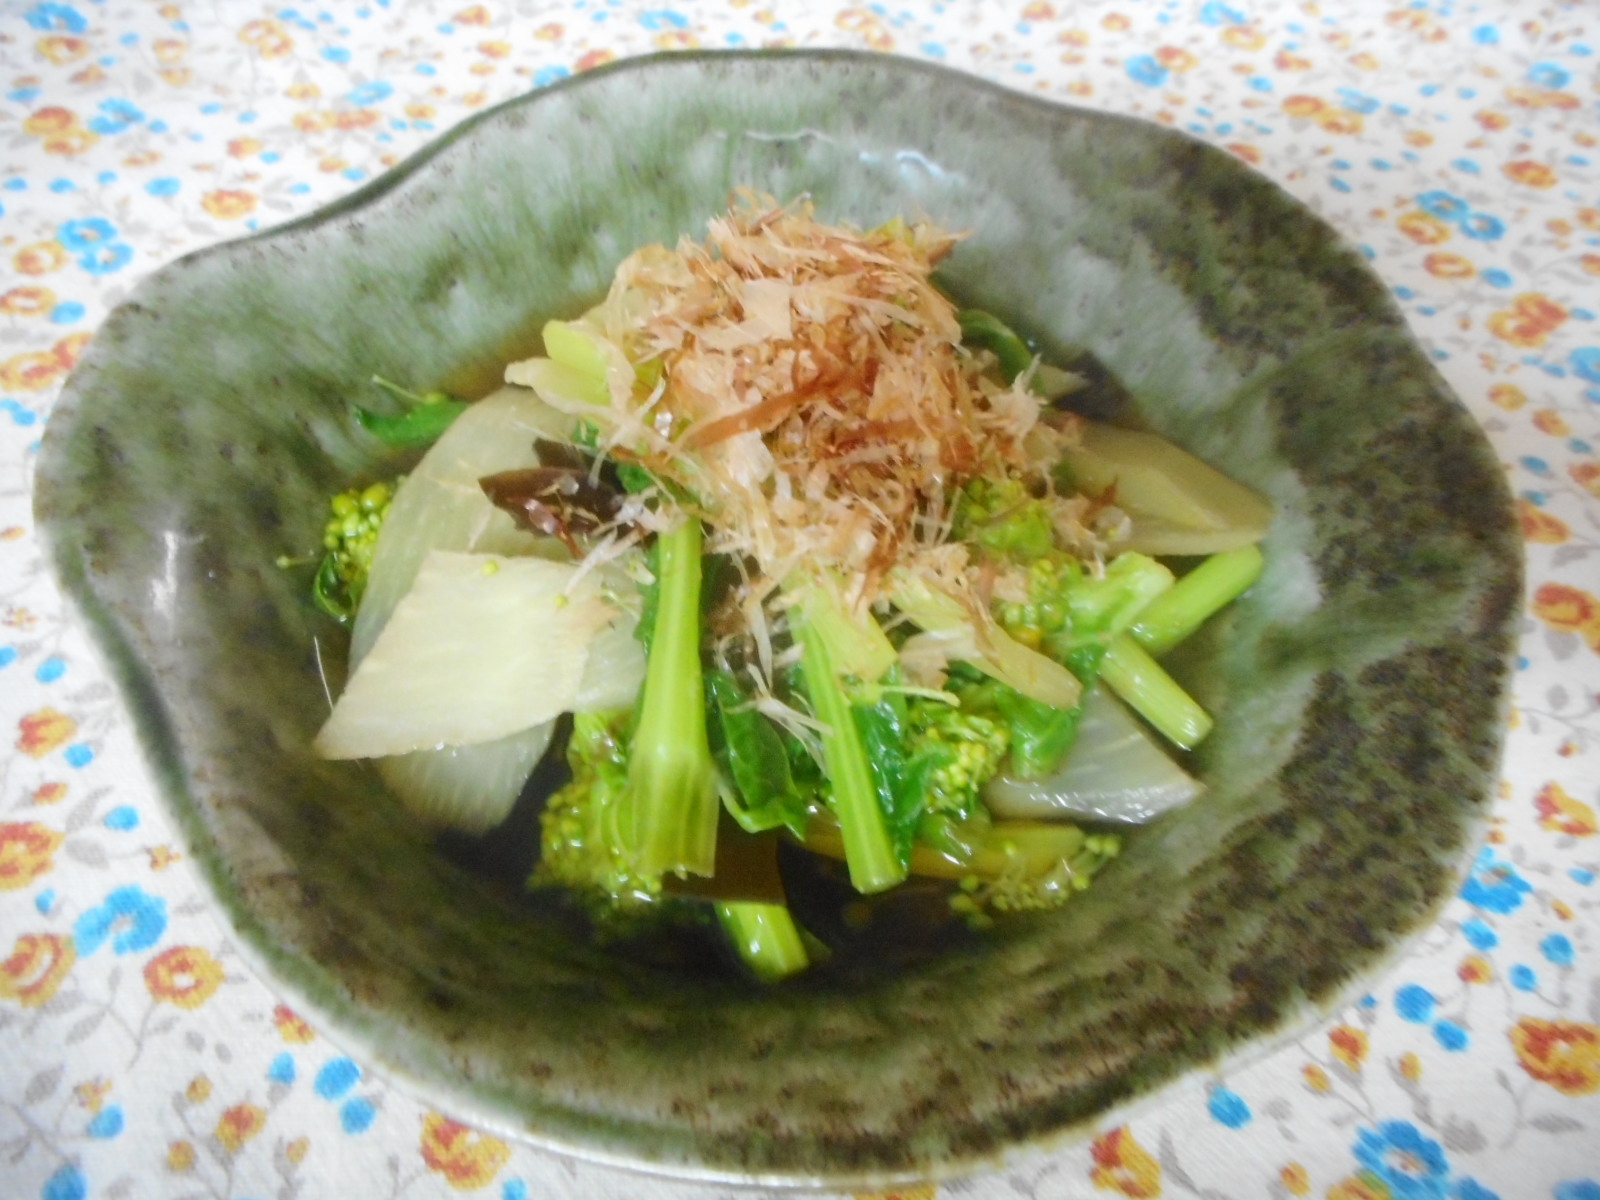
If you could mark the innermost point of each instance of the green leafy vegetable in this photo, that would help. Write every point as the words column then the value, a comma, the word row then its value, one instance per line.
column 755, row 759
column 428, row 416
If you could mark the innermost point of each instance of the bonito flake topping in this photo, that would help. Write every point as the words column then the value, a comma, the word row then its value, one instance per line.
column 806, row 385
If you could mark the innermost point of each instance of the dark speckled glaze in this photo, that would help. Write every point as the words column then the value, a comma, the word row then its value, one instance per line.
column 1359, row 688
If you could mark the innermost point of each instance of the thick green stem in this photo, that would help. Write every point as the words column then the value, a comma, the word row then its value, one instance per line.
column 1154, row 695
column 1211, row 586
column 869, row 850
column 766, row 938
column 672, row 801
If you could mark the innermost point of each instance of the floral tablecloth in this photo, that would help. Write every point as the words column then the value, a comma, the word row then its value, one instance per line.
column 1455, row 143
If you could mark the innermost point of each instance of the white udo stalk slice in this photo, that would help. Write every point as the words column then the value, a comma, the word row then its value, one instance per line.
column 1115, row 772
column 1178, row 504
column 482, row 647
column 441, row 507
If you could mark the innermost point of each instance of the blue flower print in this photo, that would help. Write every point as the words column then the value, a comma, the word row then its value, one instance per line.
column 103, row 260
column 106, row 1123
column 1471, row 1189
column 1146, row 70
column 1444, row 205
column 1494, row 886
column 85, row 233
column 67, row 1183
column 1478, row 932
column 1213, row 12
column 1585, row 362
column 370, row 92
column 1548, row 75
column 115, row 116
column 1557, row 947
column 130, row 916
column 56, row 18
column 1483, row 227
column 1577, row 1189
column 1413, row 1166
column 1414, row 1003
column 1228, row 1107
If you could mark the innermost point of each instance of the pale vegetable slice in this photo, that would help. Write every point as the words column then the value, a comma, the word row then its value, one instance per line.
column 470, row 788
column 1178, row 504
column 440, row 506
column 1115, row 772
column 483, row 646
column 614, row 671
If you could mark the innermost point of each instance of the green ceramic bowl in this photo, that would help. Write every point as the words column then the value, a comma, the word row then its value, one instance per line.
column 1358, row 689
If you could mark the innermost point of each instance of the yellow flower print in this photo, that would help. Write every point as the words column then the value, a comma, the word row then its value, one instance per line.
column 1530, row 320
column 1564, row 1054
column 1561, row 813
column 31, row 372
column 1507, row 396
column 1122, row 1165
column 1285, row 61
column 43, row 730
column 229, row 204
column 1295, row 1179
column 1365, row 61
column 421, row 112
column 1586, row 475
column 1364, row 1186
column 34, row 969
column 1341, row 121
column 1175, row 59
column 69, row 348
column 27, row 851
column 28, row 301
column 1537, row 97
column 296, row 1150
column 1475, row 968
column 180, row 1157
column 1349, row 1045
column 92, row 1093
column 62, row 48
column 1445, row 265
column 50, row 120
column 1411, row 1066
column 1491, row 119
column 1565, row 608
column 40, row 258
column 1423, row 227
column 49, row 793
column 550, row 32
column 1541, row 527
column 494, row 49
column 476, row 15
column 1243, row 37
column 1530, row 173
column 185, row 976
column 199, row 1090
column 1038, row 10
column 291, row 1028
column 169, row 50
column 270, row 38
column 162, row 857
column 238, row 1124
column 245, row 147
column 595, row 58
column 466, row 1159
column 1552, row 423
column 1316, row 1078
column 1303, row 106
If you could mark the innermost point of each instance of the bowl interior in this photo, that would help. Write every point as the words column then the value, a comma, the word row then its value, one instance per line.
column 1358, row 688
